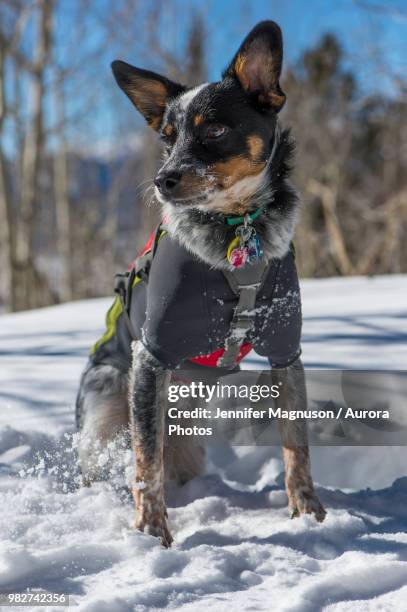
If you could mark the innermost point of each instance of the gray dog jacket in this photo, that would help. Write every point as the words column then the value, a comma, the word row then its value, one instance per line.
column 181, row 309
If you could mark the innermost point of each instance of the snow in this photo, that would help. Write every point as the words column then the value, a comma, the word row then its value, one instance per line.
column 235, row 546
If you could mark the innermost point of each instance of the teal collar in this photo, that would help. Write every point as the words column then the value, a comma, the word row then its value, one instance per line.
column 238, row 220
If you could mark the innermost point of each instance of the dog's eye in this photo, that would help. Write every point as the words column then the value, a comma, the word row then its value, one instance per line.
column 216, row 131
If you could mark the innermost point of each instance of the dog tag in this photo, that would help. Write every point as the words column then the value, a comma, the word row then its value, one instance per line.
column 239, row 257
column 255, row 251
column 245, row 247
column 237, row 253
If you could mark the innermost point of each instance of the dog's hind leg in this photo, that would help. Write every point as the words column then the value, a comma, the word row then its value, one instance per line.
column 102, row 415
column 302, row 498
column 147, row 394
column 184, row 459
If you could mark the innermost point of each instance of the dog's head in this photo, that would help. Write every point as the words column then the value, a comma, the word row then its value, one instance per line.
column 218, row 136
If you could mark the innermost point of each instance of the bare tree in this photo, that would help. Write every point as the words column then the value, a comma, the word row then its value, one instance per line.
column 73, row 211
column 61, row 189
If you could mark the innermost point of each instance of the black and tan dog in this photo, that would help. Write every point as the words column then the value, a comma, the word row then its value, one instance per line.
column 225, row 171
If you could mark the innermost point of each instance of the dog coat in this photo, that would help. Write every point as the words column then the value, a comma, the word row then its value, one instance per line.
column 181, row 309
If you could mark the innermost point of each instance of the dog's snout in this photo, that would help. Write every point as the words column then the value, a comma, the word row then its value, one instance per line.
column 167, row 181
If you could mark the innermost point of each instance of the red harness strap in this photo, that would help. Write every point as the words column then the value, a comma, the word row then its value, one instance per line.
column 146, row 248
column 211, row 360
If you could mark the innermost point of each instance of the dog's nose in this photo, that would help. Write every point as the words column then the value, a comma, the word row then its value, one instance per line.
column 167, row 181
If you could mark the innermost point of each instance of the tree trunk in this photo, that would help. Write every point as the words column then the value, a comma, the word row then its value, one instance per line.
column 31, row 286
column 7, row 234
column 62, row 204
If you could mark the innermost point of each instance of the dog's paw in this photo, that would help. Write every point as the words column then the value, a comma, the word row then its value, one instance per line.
column 306, row 502
column 156, row 525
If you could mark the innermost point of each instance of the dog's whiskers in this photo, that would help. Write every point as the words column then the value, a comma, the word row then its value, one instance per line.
column 148, row 193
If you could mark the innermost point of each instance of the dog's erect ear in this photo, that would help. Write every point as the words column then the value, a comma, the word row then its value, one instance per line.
column 147, row 90
column 257, row 65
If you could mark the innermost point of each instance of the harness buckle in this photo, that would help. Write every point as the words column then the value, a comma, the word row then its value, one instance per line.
column 120, row 284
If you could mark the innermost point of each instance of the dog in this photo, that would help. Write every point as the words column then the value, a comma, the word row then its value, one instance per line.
column 223, row 251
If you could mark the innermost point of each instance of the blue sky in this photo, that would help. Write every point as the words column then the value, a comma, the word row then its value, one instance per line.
column 374, row 43
column 366, row 36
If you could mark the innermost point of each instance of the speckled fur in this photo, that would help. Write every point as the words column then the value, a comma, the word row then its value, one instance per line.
column 147, row 398
column 101, row 416
column 207, row 235
column 302, row 498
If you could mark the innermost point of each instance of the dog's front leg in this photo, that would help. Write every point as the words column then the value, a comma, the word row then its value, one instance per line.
column 148, row 387
column 302, row 498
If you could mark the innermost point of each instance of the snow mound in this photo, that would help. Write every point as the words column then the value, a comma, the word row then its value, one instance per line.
column 235, row 545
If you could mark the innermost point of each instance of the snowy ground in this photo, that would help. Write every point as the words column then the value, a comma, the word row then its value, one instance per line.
column 236, row 548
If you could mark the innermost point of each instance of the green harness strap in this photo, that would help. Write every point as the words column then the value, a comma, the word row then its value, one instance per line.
column 119, row 305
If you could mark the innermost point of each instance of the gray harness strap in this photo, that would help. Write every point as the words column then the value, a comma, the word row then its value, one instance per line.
column 245, row 283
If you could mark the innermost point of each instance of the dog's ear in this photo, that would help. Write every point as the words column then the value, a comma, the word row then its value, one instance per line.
column 257, row 65
column 147, row 90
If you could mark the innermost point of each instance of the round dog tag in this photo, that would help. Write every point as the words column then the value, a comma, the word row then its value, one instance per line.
column 238, row 257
